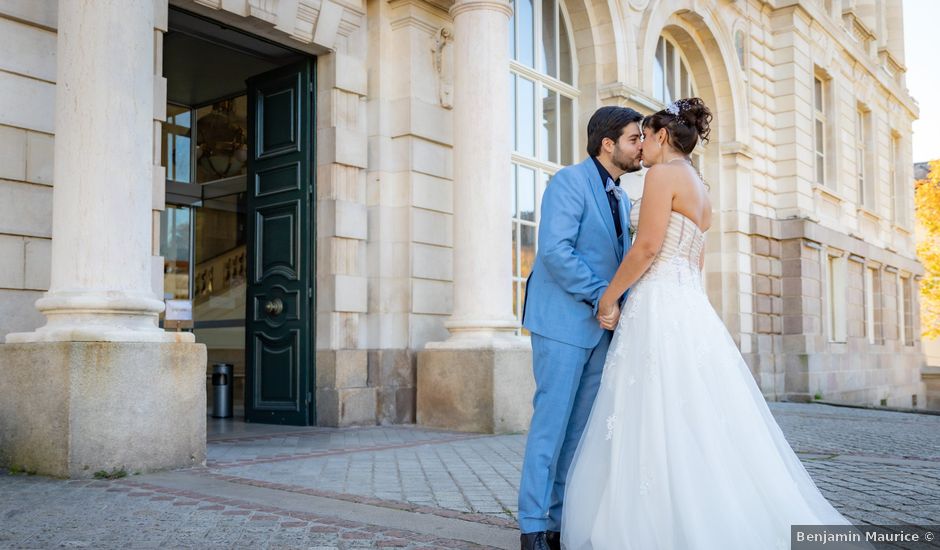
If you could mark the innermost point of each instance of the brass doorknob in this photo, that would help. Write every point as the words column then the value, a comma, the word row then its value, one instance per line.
column 274, row 307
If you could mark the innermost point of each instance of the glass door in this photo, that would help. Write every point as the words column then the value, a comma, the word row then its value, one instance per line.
column 203, row 228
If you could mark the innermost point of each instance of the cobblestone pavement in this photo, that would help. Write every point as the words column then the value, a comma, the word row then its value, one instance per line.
column 404, row 486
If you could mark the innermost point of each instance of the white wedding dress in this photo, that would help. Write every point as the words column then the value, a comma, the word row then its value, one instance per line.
column 680, row 451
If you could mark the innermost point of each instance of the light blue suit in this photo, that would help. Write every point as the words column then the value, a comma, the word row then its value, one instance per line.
column 578, row 254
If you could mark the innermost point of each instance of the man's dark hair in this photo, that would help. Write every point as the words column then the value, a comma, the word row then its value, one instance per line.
column 608, row 122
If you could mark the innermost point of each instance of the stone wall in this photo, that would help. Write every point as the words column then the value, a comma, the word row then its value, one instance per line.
column 27, row 99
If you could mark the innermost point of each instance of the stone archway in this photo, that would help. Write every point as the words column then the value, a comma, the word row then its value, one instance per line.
column 709, row 49
column 600, row 45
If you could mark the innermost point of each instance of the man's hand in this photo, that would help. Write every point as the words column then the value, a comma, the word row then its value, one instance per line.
column 608, row 316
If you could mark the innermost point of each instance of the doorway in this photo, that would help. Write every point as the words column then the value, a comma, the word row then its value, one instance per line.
column 236, row 232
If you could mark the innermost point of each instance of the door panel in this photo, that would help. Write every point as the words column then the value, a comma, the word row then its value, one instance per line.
column 279, row 370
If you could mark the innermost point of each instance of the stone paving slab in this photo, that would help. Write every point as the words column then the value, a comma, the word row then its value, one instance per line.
column 411, row 487
column 43, row 513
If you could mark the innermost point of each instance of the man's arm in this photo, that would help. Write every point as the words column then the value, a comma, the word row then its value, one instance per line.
column 562, row 208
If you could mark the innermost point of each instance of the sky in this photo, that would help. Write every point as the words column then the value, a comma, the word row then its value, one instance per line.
column 921, row 18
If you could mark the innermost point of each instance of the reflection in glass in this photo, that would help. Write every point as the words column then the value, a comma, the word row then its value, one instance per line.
column 514, row 188
column 219, row 276
column 549, row 36
column 567, row 131
column 564, row 50
column 222, row 140
column 515, row 249
column 670, row 73
column 525, row 116
column 526, row 249
column 514, row 127
column 659, row 71
column 177, row 144
column 175, row 249
column 526, row 185
column 548, row 129
column 525, row 45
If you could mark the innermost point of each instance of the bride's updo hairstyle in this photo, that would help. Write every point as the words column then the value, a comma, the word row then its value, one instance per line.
column 685, row 120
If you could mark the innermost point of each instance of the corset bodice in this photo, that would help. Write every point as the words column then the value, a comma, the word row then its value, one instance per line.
column 678, row 259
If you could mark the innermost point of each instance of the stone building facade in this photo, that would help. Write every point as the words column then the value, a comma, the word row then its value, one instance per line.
column 429, row 133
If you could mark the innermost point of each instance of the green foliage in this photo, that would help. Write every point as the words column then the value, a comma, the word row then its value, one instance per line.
column 113, row 474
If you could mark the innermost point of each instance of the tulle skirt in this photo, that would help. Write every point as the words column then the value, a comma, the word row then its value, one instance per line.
column 681, row 451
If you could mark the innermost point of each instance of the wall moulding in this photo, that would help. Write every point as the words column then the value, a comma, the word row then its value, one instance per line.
column 310, row 25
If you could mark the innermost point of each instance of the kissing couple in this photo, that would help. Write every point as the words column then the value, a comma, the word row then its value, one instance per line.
column 648, row 431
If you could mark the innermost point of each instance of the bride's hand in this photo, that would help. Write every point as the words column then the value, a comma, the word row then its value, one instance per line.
column 608, row 313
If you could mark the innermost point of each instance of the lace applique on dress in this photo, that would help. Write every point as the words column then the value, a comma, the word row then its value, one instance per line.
column 678, row 259
column 610, row 426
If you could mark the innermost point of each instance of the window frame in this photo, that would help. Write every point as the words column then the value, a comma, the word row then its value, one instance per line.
column 662, row 46
column 540, row 161
column 820, row 131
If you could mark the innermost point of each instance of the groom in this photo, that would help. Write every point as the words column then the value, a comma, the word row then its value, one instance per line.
column 583, row 236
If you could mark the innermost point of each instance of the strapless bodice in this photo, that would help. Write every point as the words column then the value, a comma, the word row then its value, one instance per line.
column 678, row 259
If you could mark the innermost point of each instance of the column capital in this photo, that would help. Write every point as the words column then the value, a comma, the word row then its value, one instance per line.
column 462, row 6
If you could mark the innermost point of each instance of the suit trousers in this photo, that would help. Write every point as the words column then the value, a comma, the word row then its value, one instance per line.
column 566, row 378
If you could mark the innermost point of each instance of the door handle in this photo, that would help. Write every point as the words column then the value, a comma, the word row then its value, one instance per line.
column 274, row 307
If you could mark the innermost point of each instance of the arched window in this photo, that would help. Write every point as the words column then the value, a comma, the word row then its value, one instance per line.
column 672, row 79
column 543, row 97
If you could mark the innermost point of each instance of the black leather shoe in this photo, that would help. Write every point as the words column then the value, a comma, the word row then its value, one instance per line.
column 535, row 541
column 553, row 538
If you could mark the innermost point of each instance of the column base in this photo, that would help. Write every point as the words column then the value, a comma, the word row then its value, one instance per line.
column 478, row 389
column 99, row 316
column 71, row 409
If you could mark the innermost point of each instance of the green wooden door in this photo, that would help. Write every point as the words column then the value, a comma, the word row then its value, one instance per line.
column 279, row 370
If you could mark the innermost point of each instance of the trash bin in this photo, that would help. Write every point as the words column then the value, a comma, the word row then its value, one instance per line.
column 222, row 390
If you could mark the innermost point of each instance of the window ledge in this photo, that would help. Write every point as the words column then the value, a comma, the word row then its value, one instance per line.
column 870, row 214
column 901, row 229
column 828, row 193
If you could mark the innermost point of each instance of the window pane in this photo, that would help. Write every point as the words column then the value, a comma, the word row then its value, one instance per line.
column 220, row 275
column 513, row 128
column 549, row 37
column 526, row 249
column 564, row 50
column 525, row 180
column 525, row 49
column 525, row 116
column 659, row 74
column 685, row 83
column 566, row 127
column 670, row 72
column 818, row 94
column 820, row 136
column 513, row 186
column 175, row 249
column 548, row 129
column 222, row 140
column 515, row 245
column 177, row 144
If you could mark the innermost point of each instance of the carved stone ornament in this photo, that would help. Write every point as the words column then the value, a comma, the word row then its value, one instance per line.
column 443, row 53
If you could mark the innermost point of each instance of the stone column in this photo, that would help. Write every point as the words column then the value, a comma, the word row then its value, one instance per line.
column 480, row 378
column 101, row 387
column 482, row 233
column 101, row 224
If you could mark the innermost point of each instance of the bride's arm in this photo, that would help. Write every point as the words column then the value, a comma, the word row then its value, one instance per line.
column 651, row 232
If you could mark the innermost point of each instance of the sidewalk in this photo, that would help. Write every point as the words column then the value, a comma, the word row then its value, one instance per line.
column 410, row 487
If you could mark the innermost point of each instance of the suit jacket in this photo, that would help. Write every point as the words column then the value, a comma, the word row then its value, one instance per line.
column 578, row 254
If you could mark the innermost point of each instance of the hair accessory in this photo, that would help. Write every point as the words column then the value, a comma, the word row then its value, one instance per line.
column 675, row 108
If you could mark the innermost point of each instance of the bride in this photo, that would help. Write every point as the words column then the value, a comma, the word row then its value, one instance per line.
column 680, row 451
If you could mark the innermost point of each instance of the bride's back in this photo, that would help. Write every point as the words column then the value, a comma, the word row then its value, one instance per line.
column 680, row 258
